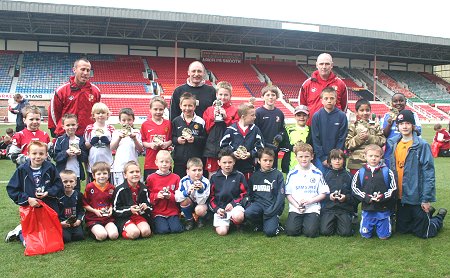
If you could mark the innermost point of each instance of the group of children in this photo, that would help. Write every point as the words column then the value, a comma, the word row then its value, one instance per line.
column 240, row 158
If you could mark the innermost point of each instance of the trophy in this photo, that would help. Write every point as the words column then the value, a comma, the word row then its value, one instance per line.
column 218, row 117
column 337, row 194
column 362, row 127
column 158, row 139
column 71, row 220
column 197, row 185
column 99, row 132
column 74, row 147
column 302, row 208
column 40, row 191
column 166, row 192
column 186, row 133
column 104, row 211
column 126, row 129
column 241, row 152
column 393, row 113
column 375, row 196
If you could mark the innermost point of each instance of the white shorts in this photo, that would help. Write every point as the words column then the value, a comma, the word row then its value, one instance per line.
column 117, row 178
column 219, row 221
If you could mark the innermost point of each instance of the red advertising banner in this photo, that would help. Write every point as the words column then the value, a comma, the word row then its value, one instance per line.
column 222, row 56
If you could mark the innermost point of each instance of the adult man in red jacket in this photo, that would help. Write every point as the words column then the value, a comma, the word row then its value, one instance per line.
column 77, row 96
column 320, row 79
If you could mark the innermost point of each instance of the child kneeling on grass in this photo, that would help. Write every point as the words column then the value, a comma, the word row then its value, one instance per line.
column 305, row 189
column 162, row 186
column 71, row 212
column 97, row 201
column 228, row 189
column 131, row 204
column 266, row 194
column 337, row 208
column 193, row 193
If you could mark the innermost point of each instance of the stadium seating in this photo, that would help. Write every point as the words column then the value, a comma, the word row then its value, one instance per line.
column 236, row 74
column 164, row 68
column 434, row 112
column 436, row 79
column 393, row 85
column 309, row 69
column 254, row 88
column 7, row 60
column 120, row 69
column 419, row 85
column 444, row 107
column 43, row 72
column 287, row 77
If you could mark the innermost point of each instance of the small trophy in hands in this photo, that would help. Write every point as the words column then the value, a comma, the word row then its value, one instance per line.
column 40, row 191
column 126, row 130
column 186, row 133
column 104, row 211
column 166, row 192
column 197, row 185
column 99, row 132
column 218, row 117
column 301, row 207
column 74, row 147
column 376, row 196
column 71, row 220
column 158, row 140
column 337, row 195
column 241, row 152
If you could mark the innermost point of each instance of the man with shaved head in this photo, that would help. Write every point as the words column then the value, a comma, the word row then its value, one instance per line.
column 320, row 79
column 195, row 85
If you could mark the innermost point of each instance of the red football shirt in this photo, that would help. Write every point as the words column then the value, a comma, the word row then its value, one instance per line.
column 148, row 130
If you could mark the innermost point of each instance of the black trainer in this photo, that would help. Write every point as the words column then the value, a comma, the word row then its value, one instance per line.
column 431, row 211
column 442, row 212
column 189, row 225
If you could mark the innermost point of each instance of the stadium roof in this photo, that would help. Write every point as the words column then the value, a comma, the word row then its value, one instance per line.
column 70, row 23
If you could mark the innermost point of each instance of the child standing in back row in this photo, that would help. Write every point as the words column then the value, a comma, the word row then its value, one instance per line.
column 217, row 118
column 329, row 129
column 156, row 134
column 18, row 151
column 128, row 144
column 70, row 149
column 98, row 137
column 361, row 134
column 299, row 132
column 270, row 120
column 188, row 134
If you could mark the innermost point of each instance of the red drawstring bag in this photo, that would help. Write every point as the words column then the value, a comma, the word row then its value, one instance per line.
column 41, row 230
column 435, row 147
